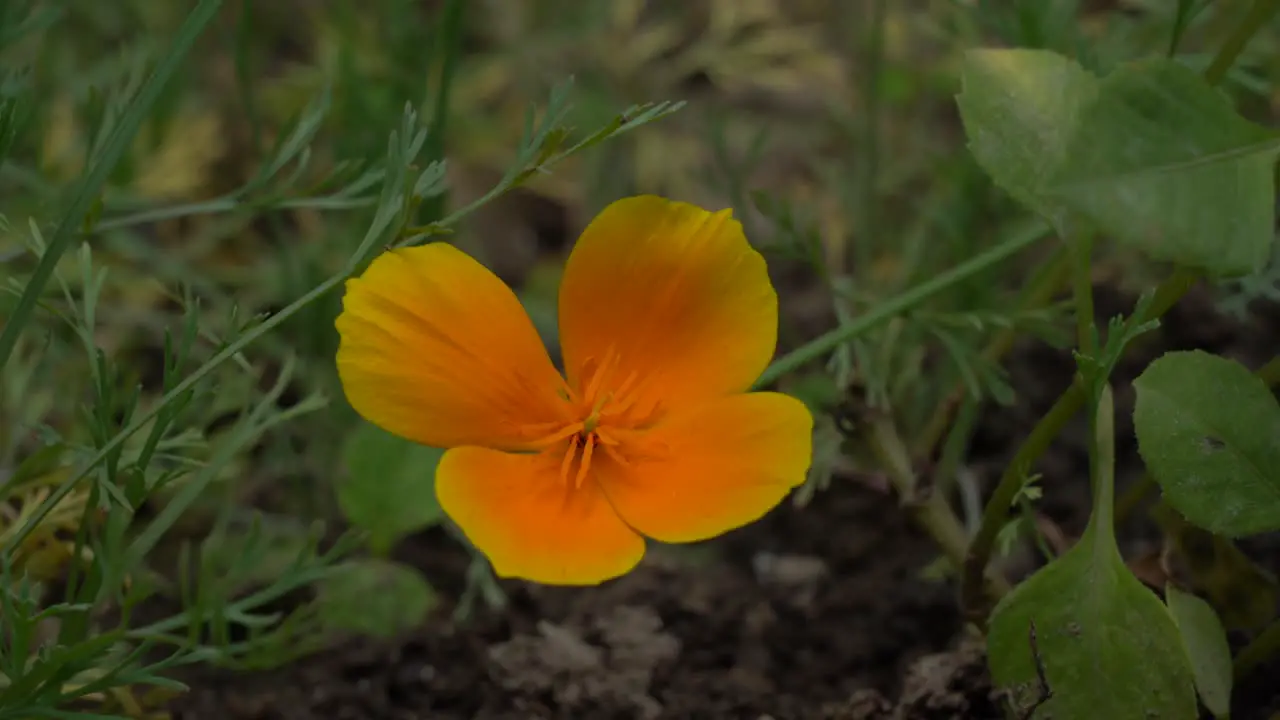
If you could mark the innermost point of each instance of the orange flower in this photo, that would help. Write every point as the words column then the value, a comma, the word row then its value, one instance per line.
column 667, row 317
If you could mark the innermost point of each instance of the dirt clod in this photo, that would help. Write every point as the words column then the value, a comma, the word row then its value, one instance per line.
column 580, row 675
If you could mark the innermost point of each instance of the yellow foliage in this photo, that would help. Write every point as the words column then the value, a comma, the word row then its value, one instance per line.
column 179, row 168
column 62, row 152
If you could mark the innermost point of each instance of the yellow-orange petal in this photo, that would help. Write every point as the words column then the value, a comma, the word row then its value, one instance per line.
column 531, row 525
column 672, row 293
column 708, row 469
column 436, row 349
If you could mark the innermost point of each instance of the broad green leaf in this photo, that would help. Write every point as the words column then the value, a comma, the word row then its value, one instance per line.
column 1107, row 646
column 1207, row 647
column 1161, row 162
column 1207, row 429
column 1019, row 109
column 374, row 597
column 389, row 487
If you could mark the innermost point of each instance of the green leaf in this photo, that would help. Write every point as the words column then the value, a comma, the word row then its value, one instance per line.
column 373, row 597
column 1207, row 430
column 1161, row 162
column 1019, row 109
column 1206, row 643
column 1152, row 154
column 1106, row 645
column 389, row 487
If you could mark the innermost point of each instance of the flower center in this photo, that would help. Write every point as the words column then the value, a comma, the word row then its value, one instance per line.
column 593, row 420
column 613, row 414
column 612, row 411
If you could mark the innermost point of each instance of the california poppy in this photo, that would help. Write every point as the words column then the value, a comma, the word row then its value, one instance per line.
column 666, row 318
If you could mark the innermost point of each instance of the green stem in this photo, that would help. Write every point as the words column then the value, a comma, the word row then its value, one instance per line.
column 1102, row 459
column 889, row 309
column 1000, row 503
column 931, row 513
column 228, row 205
column 1252, row 22
column 1263, row 648
column 1053, row 276
column 1036, row 443
column 96, row 175
column 1082, row 291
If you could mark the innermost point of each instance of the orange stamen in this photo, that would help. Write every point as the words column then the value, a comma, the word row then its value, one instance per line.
column 602, row 371
column 557, row 436
column 567, row 463
column 585, row 463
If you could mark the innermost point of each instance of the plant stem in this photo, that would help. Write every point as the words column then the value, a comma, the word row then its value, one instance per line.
column 1000, row 502
column 997, row 508
column 1082, row 292
column 1102, row 459
column 931, row 512
column 1257, row 652
column 1039, row 293
column 230, row 204
column 908, row 300
column 1252, row 22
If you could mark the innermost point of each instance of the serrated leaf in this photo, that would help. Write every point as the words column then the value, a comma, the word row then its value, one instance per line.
column 389, row 487
column 1206, row 643
column 1207, row 429
column 1162, row 162
column 374, row 597
column 1019, row 109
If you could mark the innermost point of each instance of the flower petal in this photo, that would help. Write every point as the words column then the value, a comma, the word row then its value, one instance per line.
column 435, row 348
column 672, row 293
column 529, row 523
column 710, row 469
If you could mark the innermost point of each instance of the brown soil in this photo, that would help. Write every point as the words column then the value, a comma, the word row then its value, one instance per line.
column 813, row 613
